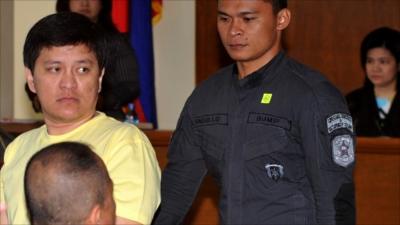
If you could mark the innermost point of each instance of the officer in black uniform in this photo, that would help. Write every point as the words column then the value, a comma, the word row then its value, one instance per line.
column 276, row 135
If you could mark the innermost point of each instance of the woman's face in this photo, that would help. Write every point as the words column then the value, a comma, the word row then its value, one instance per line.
column 88, row 8
column 381, row 67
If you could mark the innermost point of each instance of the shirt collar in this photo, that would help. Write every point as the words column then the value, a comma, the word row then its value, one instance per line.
column 255, row 79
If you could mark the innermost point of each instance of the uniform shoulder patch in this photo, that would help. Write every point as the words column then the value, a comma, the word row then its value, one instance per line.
column 338, row 121
column 343, row 150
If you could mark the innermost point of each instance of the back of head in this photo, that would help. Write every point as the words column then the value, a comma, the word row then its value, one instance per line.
column 63, row 29
column 383, row 37
column 63, row 182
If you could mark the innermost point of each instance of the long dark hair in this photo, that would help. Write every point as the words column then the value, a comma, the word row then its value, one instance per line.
column 383, row 37
column 104, row 17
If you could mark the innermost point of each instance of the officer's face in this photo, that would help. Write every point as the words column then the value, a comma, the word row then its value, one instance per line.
column 250, row 30
column 381, row 67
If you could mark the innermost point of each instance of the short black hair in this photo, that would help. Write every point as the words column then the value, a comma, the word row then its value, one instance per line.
column 63, row 182
column 104, row 17
column 63, row 29
column 278, row 5
column 382, row 37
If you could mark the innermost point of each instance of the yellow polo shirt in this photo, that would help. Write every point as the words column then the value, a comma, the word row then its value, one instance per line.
column 126, row 151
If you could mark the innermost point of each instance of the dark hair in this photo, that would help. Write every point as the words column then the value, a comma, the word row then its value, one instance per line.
column 104, row 17
column 62, row 29
column 383, row 37
column 278, row 5
column 63, row 182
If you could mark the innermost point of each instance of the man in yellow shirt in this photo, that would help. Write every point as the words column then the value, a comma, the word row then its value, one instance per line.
column 67, row 183
column 64, row 56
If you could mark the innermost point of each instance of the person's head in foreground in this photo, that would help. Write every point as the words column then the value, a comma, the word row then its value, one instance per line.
column 67, row 183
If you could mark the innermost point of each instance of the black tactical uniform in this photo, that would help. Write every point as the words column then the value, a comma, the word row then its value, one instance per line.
column 278, row 142
column 365, row 112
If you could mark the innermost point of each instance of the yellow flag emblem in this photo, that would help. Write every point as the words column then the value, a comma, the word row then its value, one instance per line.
column 266, row 98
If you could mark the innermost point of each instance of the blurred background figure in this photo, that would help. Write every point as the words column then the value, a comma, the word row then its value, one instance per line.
column 67, row 183
column 5, row 139
column 375, row 107
column 121, row 83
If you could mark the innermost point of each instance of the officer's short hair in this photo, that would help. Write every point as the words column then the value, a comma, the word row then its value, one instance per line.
column 277, row 5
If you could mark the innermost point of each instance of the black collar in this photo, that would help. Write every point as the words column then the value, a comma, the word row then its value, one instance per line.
column 255, row 79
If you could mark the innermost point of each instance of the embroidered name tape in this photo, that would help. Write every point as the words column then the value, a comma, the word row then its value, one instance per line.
column 338, row 121
column 270, row 120
column 212, row 119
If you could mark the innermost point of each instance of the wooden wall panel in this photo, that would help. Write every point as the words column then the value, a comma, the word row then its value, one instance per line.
column 324, row 34
column 327, row 34
column 210, row 54
column 375, row 194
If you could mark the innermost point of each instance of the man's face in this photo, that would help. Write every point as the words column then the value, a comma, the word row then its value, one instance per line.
column 67, row 81
column 248, row 29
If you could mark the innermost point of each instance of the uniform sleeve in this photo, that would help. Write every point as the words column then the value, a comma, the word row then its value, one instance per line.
column 329, row 143
column 183, row 174
column 134, row 170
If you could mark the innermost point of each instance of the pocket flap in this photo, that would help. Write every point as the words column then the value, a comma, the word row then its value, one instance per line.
column 265, row 146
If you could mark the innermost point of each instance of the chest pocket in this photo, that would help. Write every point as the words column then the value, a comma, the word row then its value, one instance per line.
column 268, row 134
column 265, row 145
column 211, row 128
column 266, row 163
column 213, row 152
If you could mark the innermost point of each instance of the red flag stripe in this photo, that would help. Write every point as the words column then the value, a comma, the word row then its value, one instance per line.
column 120, row 14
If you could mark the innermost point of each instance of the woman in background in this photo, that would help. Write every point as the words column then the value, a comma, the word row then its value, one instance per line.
column 375, row 107
column 120, row 82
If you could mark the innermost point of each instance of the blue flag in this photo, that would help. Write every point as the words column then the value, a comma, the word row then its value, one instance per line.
column 141, row 37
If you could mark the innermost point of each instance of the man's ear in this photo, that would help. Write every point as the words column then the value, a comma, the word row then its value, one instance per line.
column 101, row 79
column 29, row 79
column 94, row 216
column 283, row 19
